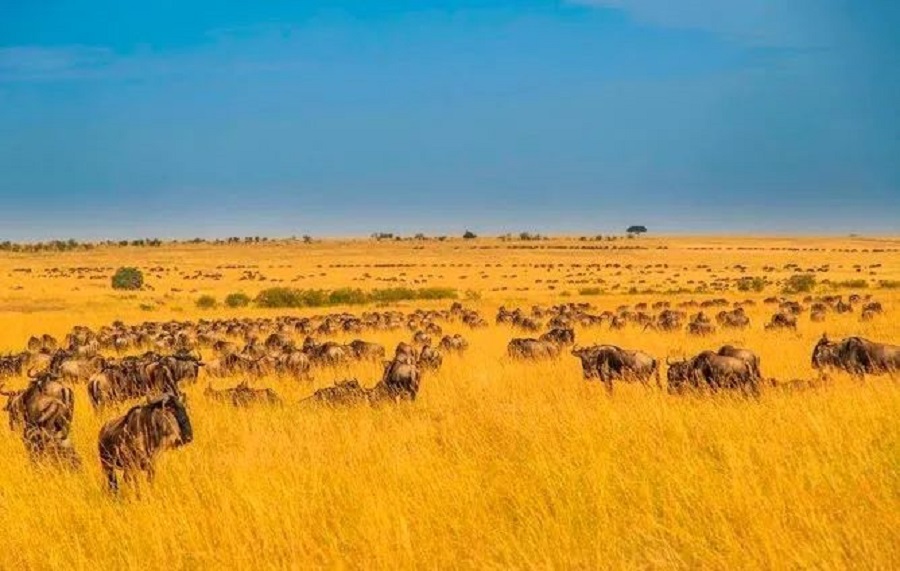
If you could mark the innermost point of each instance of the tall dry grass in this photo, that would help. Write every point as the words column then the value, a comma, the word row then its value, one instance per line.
column 498, row 464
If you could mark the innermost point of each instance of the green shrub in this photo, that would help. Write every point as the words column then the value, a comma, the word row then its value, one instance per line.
column 437, row 293
column 281, row 297
column 347, row 296
column 206, row 302
column 756, row 284
column 851, row 284
column 590, row 291
column 277, row 297
column 237, row 300
column 393, row 294
column 128, row 279
column 889, row 284
column 800, row 283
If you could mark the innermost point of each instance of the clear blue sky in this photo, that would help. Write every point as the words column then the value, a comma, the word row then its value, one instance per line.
column 214, row 118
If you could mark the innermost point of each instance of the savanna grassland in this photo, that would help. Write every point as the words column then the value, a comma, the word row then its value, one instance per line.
column 497, row 464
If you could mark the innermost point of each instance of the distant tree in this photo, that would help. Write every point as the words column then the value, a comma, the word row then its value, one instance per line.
column 636, row 230
column 469, row 235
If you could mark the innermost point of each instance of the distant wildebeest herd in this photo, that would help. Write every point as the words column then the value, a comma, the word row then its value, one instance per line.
column 122, row 363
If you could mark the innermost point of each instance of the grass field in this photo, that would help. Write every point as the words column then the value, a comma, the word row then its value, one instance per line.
column 498, row 464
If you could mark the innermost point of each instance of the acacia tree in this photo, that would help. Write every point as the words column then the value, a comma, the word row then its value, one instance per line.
column 637, row 230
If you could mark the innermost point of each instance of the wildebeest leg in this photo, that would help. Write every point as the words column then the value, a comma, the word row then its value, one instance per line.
column 111, row 480
column 608, row 382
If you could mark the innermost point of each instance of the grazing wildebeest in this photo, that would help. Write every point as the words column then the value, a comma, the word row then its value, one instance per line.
column 243, row 395
column 609, row 363
column 782, row 321
column 713, row 371
column 856, row 356
column 735, row 319
column 348, row 392
column 456, row 343
column 560, row 336
column 133, row 441
column 366, row 350
column 744, row 354
column 532, row 349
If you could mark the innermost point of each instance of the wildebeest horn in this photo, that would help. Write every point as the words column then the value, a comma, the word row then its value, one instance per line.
column 6, row 393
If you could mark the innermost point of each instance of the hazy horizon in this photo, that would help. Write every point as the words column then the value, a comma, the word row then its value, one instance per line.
column 347, row 118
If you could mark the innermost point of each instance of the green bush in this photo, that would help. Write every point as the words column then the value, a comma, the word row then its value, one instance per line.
column 237, row 300
column 889, row 284
column 128, row 279
column 437, row 293
column 590, row 291
column 347, row 296
column 275, row 297
column 800, row 283
column 756, row 284
column 206, row 302
column 392, row 294
column 282, row 297
column 851, row 284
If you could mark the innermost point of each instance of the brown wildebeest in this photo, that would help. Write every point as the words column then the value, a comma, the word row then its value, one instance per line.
column 532, row 349
column 347, row 392
column 44, row 412
column 782, row 321
column 608, row 363
column 713, row 371
column 856, row 356
column 456, row 343
column 430, row 358
column 133, row 441
column 242, row 395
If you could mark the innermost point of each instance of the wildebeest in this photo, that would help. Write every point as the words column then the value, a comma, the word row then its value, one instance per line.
column 243, row 395
column 782, row 321
column 348, row 392
column 148, row 375
column 746, row 355
column 44, row 411
column 366, row 350
column 560, row 336
column 456, row 343
column 608, row 363
column 401, row 377
column 532, row 349
column 133, row 441
column 713, row 371
column 735, row 319
column 856, row 356
column 430, row 358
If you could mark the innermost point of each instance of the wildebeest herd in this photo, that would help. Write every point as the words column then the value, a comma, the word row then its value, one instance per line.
column 151, row 362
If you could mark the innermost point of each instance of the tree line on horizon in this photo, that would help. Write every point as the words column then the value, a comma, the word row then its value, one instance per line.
column 71, row 244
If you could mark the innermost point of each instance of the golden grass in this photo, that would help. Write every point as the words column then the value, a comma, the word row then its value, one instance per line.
column 498, row 464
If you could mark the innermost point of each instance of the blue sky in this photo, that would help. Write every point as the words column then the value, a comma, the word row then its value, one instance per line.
column 215, row 118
